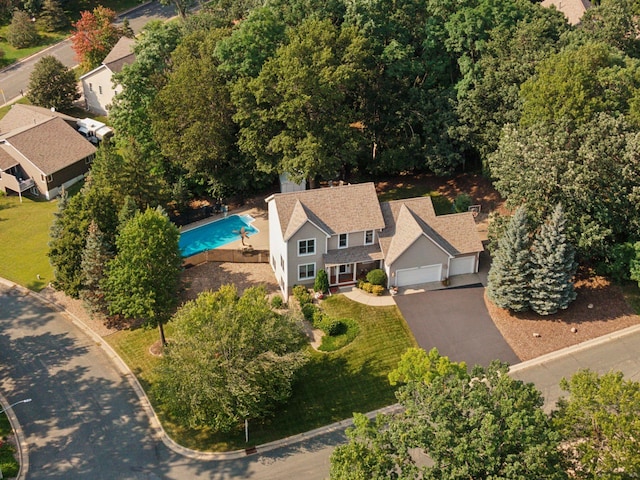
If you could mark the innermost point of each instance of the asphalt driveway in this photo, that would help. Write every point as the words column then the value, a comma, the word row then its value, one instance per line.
column 457, row 323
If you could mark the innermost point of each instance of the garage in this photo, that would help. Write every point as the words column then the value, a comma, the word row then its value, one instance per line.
column 461, row 265
column 413, row 276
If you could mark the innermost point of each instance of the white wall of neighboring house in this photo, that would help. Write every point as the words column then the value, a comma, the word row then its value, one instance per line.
column 277, row 250
column 98, row 90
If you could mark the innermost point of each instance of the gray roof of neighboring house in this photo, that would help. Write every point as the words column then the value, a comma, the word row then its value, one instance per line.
column 409, row 219
column 28, row 115
column 6, row 160
column 343, row 209
column 120, row 55
column 572, row 9
column 50, row 145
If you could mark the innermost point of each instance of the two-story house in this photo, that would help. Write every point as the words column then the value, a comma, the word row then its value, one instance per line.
column 347, row 232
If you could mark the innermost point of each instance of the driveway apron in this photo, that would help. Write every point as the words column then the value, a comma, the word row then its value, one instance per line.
column 457, row 323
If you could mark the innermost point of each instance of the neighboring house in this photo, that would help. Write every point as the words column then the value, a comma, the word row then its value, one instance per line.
column 572, row 9
column 347, row 232
column 40, row 151
column 97, row 85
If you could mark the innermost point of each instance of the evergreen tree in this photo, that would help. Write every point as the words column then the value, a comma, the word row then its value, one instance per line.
column 53, row 17
column 94, row 259
column 127, row 211
column 508, row 281
column 553, row 267
column 22, row 33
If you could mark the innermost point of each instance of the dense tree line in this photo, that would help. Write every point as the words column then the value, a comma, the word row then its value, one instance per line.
column 455, row 424
column 322, row 90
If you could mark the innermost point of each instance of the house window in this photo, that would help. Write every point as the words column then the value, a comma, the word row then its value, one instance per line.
column 100, row 89
column 368, row 237
column 48, row 178
column 306, row 247
column 343, row 241
column 91, row 87
column 281, row 262
column 89, row 160
column 306, row 271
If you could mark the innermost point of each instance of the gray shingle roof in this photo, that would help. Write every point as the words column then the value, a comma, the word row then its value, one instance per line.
column 51, row 145
column 408, row 219
column 120, row 55
column 27, row 115
column 6, row 160
column 365, row 253
column 343, row 209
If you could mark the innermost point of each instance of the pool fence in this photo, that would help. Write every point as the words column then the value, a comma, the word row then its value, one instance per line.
column 244, row 255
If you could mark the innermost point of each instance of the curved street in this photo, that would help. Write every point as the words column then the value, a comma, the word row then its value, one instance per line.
column 85, row 421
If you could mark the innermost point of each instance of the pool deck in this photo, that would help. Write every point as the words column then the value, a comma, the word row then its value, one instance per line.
column 259, row 241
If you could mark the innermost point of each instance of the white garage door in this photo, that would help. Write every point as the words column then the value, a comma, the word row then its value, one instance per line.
column 413, row 276
column 461, row 265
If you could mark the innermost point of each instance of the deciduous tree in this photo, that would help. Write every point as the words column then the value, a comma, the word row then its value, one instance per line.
column 95, row 35
column 552, row 267
column 600, row 425
column 143, row 279
column 52, row 85
column 479, row 425
column 508, row 282
column 230, row 358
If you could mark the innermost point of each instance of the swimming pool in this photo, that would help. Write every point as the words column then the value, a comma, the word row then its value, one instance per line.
column 215, row 234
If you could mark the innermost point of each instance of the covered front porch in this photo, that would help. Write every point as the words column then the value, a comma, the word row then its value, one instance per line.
column 346, row 266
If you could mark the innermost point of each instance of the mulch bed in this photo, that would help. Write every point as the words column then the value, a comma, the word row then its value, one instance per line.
column 599, row 309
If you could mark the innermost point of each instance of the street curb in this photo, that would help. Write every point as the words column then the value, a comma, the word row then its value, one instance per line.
column 23, row 449
column 236, row 454
column 574, row 348
column 153, row 419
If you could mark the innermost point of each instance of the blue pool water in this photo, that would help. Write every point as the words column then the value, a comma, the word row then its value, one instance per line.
column 215, row 234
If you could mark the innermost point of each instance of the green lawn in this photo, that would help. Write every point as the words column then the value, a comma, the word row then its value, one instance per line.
column 12, row 54
column 8, row 464
column 24, row 236
column 330, row 388
column 441, row 204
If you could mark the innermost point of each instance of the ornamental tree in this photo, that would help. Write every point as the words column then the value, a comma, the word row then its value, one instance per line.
column 95, row 35
column 510, row 271
column 552, row 267
column 230, row 358
column 52, row 85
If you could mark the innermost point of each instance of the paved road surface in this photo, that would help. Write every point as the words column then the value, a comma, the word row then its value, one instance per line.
column 16, row 77
column 85, row 422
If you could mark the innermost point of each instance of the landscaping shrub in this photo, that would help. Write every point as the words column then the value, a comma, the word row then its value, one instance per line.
column 321, row 283
column 277, row 302
column 318, row 319
column 377, row 290
column 308, row 311
column 618, row 263
column 301, row 294
column 334, row 327
column 377, row 277
column 462, row 203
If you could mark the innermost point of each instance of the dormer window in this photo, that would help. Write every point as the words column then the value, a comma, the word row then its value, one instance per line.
column 343, row 240
column 306, row 247
column 368, row 237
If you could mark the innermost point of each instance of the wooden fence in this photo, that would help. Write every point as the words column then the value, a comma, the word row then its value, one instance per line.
column 245, row 255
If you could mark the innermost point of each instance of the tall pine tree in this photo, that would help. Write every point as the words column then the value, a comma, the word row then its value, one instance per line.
column 95, row 256
column 553, row 267
column 510, row 271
